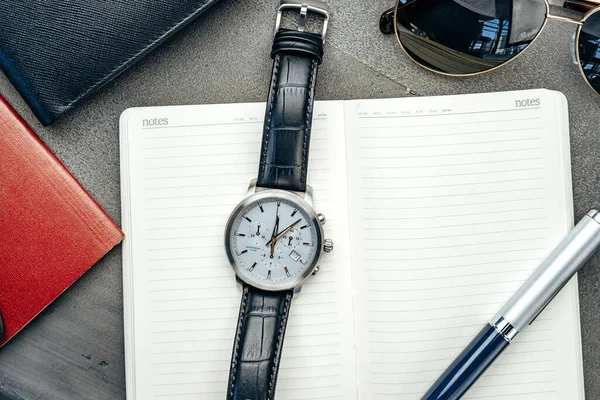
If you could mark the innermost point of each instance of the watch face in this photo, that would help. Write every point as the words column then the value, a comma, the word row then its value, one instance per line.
column 273, row 240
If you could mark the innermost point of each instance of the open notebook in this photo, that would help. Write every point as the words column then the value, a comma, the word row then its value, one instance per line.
column 439, row 209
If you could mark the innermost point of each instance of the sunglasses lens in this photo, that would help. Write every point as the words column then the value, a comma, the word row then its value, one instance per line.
column 467, row 36
column 589, row 50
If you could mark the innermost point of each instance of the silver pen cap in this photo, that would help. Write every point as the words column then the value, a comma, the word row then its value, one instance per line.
column 554, row 273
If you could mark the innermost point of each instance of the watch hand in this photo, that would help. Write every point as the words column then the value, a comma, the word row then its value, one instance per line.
column 272, row 242
column 283, row 232
column 276, row 224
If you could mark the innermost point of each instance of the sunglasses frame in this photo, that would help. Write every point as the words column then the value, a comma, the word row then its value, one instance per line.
column 580, row 23
column 548, row 16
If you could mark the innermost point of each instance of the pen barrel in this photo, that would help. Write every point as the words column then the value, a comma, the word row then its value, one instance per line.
column 468, row 366
column 554, row 273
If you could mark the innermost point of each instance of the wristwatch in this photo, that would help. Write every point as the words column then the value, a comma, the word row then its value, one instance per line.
column 274, row 237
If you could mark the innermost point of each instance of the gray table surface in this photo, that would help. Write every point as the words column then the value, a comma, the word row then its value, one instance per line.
column 74, row 349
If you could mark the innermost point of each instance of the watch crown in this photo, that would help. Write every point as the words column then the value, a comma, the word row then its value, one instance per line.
column 321, row 218
column 328, row 245
column 317, row 268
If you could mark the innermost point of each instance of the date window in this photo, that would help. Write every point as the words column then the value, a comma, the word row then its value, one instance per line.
column 294, row 255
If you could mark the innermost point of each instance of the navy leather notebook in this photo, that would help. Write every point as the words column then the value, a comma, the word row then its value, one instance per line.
column 57, row 53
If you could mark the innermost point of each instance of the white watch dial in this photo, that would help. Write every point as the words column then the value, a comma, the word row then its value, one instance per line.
column 273, row 241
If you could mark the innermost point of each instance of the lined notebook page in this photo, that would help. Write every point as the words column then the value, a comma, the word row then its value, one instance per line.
column 181, row 180
column 453, row 202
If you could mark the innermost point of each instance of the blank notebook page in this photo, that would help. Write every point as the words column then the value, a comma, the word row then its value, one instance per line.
column 453, row 202
column 181, row 180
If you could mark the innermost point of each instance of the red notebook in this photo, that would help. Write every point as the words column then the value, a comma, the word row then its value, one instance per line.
column 51, row 230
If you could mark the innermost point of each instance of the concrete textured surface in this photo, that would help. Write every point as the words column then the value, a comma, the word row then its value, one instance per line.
column 74, row 349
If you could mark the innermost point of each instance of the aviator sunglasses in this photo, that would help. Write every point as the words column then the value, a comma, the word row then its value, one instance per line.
column 470, row 37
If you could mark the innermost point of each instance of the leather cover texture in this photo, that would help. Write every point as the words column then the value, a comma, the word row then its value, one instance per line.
column 51, row 230
column 288, row 119
column 57, row 53
column 258, row 344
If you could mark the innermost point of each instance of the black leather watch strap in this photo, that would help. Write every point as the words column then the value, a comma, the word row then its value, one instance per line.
column 258, row 343
column 286, row 136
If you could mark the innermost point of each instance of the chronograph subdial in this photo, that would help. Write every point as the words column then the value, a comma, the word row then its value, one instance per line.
column 272, row 262
column 291, row 239
column 258, row 233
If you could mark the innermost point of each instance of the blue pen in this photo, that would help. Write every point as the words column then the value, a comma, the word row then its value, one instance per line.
column 521, row 310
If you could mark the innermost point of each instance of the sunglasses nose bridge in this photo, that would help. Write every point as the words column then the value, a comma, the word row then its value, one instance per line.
column 565, row 19
column 581, row 5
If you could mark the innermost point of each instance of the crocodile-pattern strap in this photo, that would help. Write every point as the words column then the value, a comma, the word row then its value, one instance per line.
column 286, row 136
column 258, row 342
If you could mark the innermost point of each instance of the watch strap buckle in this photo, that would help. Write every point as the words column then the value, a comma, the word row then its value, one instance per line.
column 304, row 7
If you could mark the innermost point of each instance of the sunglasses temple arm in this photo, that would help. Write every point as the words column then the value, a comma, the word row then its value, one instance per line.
column 581, row 5
column 386, row 22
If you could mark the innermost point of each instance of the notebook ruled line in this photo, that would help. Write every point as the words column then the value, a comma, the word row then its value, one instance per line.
column 434, row 165
column 405, row 157
column 446, row 134
column 446, row 145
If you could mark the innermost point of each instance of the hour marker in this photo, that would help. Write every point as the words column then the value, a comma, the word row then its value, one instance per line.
column 286, row 271
column 252, row 267
column 305, row 226
column 307, row 243
column 261, row 207
column 269, row 275
column 246, row 217
column 240, row 234
column 294, row 213
column 278, row 203
column 242, row 252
